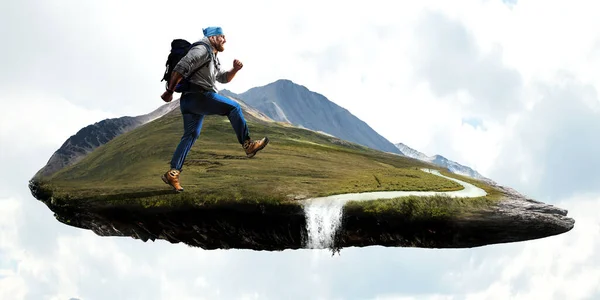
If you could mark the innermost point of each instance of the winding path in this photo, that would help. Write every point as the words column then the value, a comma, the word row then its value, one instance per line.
column 324, row 214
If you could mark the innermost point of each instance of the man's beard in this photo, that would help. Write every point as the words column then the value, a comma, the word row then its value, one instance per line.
column 220, row 48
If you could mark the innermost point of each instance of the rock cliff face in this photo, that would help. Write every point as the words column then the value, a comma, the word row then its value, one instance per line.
column 283, row 226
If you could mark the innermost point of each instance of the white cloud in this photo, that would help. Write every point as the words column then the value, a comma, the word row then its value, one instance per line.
column 33, row 125
column 566, row 266
column 12, row 287
column 47, row 119
column 553, row 140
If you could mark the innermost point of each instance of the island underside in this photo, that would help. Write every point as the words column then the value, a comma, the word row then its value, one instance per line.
column 428, row 222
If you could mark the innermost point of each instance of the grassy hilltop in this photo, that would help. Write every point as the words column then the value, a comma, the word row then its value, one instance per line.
column 297, row 164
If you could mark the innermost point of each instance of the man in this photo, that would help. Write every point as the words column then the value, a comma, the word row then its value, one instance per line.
column 203, row 99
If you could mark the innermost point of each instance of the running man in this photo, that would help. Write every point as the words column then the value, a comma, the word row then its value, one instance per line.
column 202, row 99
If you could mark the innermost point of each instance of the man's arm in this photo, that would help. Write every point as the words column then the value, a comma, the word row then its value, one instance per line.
column 193, row 59
column 186, row 65
column 175, row 78
column 167, row 96
column 225, row 77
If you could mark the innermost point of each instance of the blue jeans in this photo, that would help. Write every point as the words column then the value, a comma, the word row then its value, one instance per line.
column 194, row 106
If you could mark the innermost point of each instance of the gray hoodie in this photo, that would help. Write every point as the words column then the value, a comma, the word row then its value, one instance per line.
column 207, row 75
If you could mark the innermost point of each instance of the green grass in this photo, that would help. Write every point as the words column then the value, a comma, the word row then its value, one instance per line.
column 297, row 163
column 414, row 207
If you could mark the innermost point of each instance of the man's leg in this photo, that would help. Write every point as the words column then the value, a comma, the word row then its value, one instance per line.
column 192, row 125
column 215, row 104
column 221, row 105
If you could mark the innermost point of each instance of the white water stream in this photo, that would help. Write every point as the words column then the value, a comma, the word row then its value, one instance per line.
column 324, row 215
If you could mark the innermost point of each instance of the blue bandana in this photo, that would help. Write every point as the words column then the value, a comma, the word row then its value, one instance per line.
column 210, row 31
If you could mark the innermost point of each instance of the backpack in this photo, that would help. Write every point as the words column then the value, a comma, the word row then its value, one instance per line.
column 179, row 48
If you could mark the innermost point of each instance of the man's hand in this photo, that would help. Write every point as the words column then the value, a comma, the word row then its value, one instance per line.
column 237, row 65
column 175, row 78
column 167, row 96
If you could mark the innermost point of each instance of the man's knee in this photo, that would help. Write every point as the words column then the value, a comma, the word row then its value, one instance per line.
column 192, row 126
column 236, row 107
column 195, row 134
column 192, row 134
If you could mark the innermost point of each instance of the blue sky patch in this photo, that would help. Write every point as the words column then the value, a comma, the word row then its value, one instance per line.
column 475, row 122
column 7, row 264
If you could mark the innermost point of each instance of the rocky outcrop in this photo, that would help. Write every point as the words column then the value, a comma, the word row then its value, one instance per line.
column 512, row 219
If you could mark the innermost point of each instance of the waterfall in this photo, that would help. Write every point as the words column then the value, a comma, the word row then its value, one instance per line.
column 323, row 218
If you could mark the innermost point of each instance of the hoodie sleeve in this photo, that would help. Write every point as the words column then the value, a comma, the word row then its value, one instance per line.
column 221, row 75
column 192, row 60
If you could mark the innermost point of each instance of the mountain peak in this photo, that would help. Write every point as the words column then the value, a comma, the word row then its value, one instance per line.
column 439, row 157
column 410, row 152
column 288, row 85
column 286, row 101
column 284, row 81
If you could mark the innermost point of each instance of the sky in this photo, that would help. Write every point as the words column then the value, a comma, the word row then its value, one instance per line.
column 509, row 88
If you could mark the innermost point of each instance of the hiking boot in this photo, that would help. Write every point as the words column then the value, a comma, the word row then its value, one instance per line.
column 172, row 178
column 251, row 147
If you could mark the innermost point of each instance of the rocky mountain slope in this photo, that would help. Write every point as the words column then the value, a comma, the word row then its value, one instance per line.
column 286, row 101
column 439, row 160
column 95, row 135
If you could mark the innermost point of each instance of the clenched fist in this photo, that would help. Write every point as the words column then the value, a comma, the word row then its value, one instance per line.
column 237, row 65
